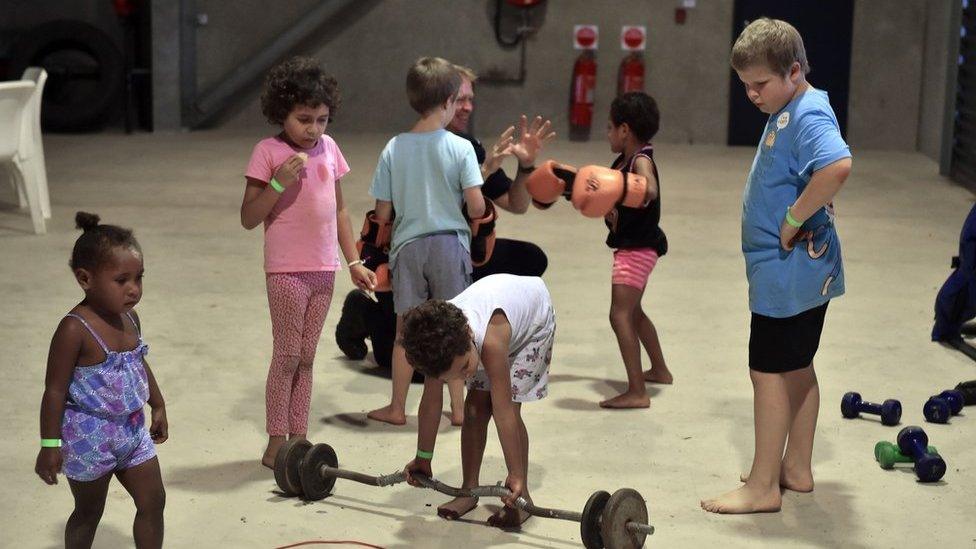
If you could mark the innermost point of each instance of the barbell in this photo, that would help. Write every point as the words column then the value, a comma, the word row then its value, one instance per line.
column 614, row 521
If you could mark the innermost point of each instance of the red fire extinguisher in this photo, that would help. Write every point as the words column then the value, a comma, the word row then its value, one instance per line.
column 631, row 75
column 581, row 96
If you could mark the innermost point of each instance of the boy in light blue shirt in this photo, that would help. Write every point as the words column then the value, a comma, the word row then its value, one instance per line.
column 423, row 179
column 793, row 259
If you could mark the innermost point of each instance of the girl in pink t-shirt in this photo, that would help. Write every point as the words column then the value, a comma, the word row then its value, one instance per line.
column 293, row 188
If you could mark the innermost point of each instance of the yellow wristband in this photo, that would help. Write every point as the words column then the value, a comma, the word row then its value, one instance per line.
column 50, row 443
column 791, row 221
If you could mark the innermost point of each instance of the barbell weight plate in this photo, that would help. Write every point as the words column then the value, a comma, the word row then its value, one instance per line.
column 314, row 485
column 625, row 505
column 590, row 525
column 287, row 464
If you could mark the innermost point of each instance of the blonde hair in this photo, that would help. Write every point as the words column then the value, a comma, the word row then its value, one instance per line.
column 467, row 73
column 431, row 82
column 770, row 42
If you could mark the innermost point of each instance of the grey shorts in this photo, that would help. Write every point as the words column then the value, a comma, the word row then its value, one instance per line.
column 432, row 267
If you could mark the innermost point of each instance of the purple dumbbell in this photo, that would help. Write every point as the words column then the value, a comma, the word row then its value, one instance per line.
column 852, row 406
column 939, row 407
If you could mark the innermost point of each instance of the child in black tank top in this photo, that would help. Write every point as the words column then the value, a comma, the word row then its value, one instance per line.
column 638, row 242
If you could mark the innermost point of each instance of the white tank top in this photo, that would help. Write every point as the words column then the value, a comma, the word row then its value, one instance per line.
column 524, row 300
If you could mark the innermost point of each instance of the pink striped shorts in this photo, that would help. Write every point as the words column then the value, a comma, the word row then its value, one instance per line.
column 633, row 266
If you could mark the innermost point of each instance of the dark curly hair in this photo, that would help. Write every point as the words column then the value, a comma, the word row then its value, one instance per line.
column 298, row 81
column 639, row 111
column 435, row 333
column 94, row 247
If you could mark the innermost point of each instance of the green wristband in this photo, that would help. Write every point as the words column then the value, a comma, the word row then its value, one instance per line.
column 425, row 455
column 276, row 186
column 50, row 443
column 792, row 220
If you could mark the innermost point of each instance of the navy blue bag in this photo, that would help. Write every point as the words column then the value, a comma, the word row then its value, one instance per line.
column 956, row 303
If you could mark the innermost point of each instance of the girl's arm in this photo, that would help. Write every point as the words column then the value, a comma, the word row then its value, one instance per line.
column 644, row 166
column 361, row 276
column 159, row 428
column 61, row 361
column 260, row 196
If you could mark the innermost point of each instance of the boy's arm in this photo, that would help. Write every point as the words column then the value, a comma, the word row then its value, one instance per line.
column 820, row 191
column 494, row 357
column 643, row 166
column 475, row 202
column 383, row 210
column 429, row 418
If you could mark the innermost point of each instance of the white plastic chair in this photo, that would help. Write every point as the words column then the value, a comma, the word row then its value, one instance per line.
column 14, row 100
column 31, row 146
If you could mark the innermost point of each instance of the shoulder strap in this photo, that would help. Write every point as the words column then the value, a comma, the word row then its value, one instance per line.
column 134, row 325
column 91, row 331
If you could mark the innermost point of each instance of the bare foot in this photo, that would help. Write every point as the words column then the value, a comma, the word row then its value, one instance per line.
column 745, row 499
column 271, row 452
column 791, row 479
column 456, row 508
column 659, row 375
column 386, row 414
column 506, row 517
column 627, row 400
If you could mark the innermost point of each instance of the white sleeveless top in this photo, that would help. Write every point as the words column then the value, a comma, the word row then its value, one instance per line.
column 525, row 301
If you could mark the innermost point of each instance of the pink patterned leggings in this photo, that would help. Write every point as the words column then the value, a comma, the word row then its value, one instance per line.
column 298, row 303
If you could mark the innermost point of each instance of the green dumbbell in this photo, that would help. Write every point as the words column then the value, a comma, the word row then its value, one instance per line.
column 887, row 454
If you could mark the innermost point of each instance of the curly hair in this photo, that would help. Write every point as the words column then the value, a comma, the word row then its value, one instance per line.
column 639, row 111
column 94, row 247
column 435, row 333
column 298, row 81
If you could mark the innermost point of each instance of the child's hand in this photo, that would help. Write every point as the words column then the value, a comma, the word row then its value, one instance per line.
column 420, row 466
column 531, row 140
column 159, row 427
column 516, row 485
column 48, row 464
column 788, row 235
column 289, row 172
column 363, row 278
column 498, row 152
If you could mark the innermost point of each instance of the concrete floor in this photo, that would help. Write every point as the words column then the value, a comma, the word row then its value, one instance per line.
column 206, row 320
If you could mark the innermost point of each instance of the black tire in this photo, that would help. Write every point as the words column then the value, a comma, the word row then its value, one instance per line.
column 85, row 69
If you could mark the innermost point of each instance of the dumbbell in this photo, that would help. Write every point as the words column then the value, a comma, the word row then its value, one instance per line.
column 851, row 406
column 938, row 408
column 888, row 454
column 968, row 391
column 912, row 441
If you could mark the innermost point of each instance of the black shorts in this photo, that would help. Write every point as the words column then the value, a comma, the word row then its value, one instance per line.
column 778, row 345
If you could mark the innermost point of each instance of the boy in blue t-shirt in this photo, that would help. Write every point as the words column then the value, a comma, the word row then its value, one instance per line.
column 426, row 176
column 793, row 258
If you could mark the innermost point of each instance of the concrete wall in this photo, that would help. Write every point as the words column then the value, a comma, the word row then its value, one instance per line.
column 934, row 68
column 897, row 66
column 686, row 65
column 886, row 72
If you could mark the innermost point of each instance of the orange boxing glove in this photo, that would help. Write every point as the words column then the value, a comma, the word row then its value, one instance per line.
column 597, row 190
column 374, row 249
column 547, row 182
